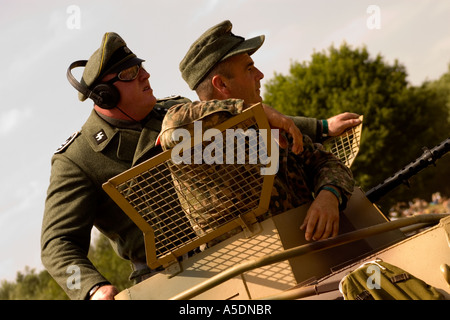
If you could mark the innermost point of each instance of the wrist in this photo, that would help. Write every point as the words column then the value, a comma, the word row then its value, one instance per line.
column 334, row 191
column 324, row 128
column 95, row 288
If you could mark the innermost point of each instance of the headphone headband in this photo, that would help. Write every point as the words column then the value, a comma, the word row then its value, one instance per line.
column 104, row 95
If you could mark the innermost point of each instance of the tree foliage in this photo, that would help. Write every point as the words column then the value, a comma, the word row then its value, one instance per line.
column 30, row 285
column 399, row 119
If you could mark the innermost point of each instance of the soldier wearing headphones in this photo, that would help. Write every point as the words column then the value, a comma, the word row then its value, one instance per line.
column 120, row 132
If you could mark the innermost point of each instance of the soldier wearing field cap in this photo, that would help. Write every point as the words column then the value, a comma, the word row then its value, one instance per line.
column 205, row 59
column 120, row 132
column 219, row 67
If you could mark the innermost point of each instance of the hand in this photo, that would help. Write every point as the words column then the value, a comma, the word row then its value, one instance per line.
column 322, row 218
column 338, row 124
column 106, row 292
column 278, row 120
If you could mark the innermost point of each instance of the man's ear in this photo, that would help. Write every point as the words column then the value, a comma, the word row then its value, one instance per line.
column 220, row 85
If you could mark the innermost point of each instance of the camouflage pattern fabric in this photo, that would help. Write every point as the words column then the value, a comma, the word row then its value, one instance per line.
column 298, row 177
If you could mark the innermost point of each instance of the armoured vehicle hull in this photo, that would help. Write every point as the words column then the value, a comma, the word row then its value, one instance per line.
column 257, row 267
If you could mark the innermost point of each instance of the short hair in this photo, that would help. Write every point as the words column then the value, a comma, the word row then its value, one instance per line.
column 205, row 88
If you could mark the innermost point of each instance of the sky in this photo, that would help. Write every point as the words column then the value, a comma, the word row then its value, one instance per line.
column 39, row 39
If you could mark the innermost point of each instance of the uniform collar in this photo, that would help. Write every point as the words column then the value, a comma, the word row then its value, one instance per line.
column 100, row 133
column 123, row 124
column 148, row 137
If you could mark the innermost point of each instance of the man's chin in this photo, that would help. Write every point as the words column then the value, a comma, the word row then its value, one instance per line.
column 151, row 102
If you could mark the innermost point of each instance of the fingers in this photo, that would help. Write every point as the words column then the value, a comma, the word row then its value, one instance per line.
column 294, row 131
column 309, row 223
column 280, row 121
column 320, row 229
column 341, row 122
column 281, row 140
column 351, row 121
column 322, row 218
column 348, row 115
column 107, row 292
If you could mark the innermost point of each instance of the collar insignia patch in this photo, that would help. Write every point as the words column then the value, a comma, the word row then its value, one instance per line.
column 100, row 136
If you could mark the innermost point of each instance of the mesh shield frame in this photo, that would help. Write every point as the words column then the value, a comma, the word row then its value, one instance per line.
column 148, row 195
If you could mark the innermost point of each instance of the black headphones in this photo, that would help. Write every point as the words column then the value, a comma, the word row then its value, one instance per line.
column 104, row 95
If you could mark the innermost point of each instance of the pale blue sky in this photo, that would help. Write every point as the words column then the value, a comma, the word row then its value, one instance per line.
column 39, row 108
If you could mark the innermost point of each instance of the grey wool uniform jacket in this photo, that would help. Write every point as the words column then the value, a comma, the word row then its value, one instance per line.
column 76, row 201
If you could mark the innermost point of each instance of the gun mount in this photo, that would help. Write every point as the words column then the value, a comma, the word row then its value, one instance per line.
column 429, row 157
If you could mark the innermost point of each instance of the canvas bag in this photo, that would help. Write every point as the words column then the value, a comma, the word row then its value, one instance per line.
column 379, row 280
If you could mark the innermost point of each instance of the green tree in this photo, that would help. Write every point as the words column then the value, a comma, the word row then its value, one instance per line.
column 442, row 88
column 438, row 93
column 6, row 290
column 398, row 118
column 30, row 285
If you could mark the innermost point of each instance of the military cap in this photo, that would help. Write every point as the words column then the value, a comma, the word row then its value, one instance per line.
column 112, row 56
column 215, row 45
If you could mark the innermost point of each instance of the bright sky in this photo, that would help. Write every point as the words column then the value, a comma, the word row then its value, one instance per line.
column 40, row 109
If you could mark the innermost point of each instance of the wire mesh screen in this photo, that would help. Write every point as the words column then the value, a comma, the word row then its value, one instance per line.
column 181, row 205
column 187, row 204
column 152, row 195
column 346, row 146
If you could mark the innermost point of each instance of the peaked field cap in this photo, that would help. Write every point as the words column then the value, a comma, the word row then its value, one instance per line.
column 215, row 45
column 112, row 56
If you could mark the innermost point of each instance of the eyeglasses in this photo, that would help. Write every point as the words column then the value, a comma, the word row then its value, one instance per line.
column 128, row 74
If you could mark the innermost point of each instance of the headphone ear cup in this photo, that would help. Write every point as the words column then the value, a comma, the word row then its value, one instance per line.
column 109, row 95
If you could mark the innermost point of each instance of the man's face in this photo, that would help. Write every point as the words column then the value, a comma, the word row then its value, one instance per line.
column 136, row 96
column 245, row 82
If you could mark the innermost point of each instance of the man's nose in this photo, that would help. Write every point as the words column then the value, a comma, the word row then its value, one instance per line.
column 260, row 75
column 144, row 74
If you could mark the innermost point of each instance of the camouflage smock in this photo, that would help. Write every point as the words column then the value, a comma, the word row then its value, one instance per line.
column 298, row 177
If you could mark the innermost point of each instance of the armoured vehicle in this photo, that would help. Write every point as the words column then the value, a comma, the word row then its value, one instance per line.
column 254, row 256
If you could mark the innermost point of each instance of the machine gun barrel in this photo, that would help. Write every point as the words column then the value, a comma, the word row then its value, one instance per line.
column 401, row 177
